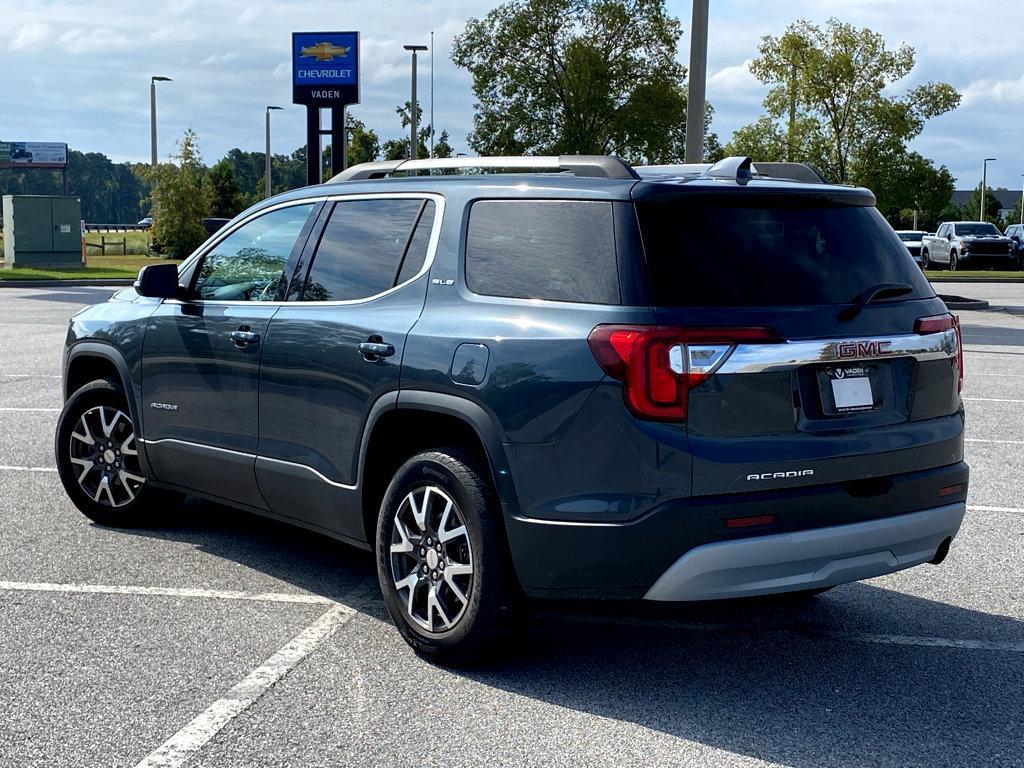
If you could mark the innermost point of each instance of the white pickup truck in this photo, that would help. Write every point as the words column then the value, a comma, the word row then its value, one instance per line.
column 959, row 244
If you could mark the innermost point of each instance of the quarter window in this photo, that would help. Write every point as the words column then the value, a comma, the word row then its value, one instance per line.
column 558, row 250
column 248, row 265
column 369, row 246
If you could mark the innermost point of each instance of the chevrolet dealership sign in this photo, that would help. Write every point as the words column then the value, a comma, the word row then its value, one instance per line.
column 325, row 68
column 33, row 154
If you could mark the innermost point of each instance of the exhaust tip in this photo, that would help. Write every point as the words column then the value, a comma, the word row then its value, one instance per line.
column 941, row 552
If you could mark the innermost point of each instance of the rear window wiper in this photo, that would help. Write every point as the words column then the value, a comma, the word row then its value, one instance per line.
column 873, row 294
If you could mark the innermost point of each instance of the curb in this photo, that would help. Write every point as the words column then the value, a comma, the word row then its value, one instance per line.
column 114, row 282
column 950, row 279
column 963, row 302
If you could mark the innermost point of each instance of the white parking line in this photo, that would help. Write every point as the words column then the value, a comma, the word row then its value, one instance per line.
column 993, row 400
column 173, row 592
column 30, row 376
column 984, row 509
column 989, row 440
column 28, row 408
column 27, row 469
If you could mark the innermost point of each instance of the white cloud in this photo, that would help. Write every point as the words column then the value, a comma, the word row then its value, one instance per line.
column 92, row 41
column 734, row 78
column 986, row 91
column 219, row 58
column 29, row 35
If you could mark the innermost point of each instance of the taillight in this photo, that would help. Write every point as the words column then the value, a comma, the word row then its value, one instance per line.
column 935, row 324
column 659, row 365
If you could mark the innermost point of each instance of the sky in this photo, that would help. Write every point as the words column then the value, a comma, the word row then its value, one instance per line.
column 78, row 71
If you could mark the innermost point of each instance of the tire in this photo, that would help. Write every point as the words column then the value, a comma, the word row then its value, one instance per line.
column 428, row 607
column 926, row 262
column 952, row 261
column 105, row 482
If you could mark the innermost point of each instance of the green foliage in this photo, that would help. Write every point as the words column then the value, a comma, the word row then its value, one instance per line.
column 181, row 199
column 227, row 196
column 970, row 210
column 904, row 182
column 363, row 145
column 568, row 76
column 839, row 79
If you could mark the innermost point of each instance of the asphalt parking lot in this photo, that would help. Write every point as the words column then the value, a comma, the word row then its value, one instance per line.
column 217, row 638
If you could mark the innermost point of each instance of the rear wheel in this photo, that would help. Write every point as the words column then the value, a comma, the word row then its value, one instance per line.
column 926, row 262
column 98, row 460
column 441, row 560
column 952, row 261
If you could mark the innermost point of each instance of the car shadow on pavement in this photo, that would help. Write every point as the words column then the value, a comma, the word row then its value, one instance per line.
column 815, row 682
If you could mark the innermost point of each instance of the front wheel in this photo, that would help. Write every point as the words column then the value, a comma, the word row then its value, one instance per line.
column 98, row 460
column 952, row 261
column 441, row 558
column 926, row 262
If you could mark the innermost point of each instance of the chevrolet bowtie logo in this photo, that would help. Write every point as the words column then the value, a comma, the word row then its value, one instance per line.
column 325, row 51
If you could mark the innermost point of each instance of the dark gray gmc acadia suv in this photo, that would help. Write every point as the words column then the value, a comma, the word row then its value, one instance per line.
column 670, row 383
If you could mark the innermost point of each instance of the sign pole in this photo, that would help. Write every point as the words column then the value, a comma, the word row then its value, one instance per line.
column 312, row 144
column 337, row 140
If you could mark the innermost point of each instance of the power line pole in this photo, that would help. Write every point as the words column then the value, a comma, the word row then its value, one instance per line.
column 698, row 81
column 792, row 114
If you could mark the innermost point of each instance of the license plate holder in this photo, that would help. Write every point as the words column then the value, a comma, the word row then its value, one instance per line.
column 849, row 389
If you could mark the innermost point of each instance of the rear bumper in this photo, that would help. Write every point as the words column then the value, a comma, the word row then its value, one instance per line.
column 625, row 559
column 805, row 560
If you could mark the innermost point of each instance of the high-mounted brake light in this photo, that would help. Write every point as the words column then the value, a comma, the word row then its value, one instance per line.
column 935, row 324
column 659, row 365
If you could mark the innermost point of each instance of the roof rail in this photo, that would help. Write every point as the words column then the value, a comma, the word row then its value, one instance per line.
column 737, row 168
column 595, row 166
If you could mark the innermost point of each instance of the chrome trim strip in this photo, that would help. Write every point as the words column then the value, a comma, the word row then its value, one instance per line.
column 755, row 358
column 315, row 472
column 254, row 457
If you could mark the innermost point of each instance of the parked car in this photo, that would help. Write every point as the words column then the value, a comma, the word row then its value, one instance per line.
column 912, row 240
column 967, row 244
column 146, row 222
column 1015, row 232
column 592, row 383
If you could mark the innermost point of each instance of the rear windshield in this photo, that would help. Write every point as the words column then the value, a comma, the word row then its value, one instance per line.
column 979, row 228
column 910, row 237
column 705, row 254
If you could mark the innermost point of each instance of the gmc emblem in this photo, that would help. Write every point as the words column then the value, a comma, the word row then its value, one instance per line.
column 869, row 349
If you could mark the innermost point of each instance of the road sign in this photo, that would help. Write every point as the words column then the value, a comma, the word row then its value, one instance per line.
column 325, row 68
column 33, row 154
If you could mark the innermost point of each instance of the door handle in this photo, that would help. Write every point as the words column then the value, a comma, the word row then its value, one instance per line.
column 375, row 348
column 243, row 337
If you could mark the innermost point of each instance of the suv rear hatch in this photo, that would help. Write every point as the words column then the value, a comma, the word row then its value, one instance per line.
column 796, row 342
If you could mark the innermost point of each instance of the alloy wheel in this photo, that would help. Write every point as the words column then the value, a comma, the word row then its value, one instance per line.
column 103, row 449
column 431, row 559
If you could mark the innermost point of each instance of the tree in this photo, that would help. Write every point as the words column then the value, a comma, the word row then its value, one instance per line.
column 837, row 83
column 363, row 145
column 227, row 196
column 567, row 76
column 905, row 182
column 181, row 199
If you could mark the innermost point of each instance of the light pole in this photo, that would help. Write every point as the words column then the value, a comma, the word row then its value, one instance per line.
column 1022, row 199
column 984, row 186
column 412, row 103
column 698, row 77
column 266, row 157
column 152, row 112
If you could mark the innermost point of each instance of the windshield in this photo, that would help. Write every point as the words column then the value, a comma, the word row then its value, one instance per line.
column 976, row 228
column 704, row 253
column 907, row 237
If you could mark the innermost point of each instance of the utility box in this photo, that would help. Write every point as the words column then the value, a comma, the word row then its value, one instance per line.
column 42, row 231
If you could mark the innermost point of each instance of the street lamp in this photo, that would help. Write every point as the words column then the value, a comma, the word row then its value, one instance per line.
column 984, row 186
column 412, row 103
column 152, row 112
column 266, row 157
column 1022, row 199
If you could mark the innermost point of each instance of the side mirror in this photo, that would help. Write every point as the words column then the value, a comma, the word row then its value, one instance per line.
column 159, row 281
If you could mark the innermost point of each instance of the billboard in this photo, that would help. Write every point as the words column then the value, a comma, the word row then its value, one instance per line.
column 34, row 154
column 325, row 68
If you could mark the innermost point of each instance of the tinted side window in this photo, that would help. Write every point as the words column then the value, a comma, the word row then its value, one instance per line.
column 248, row 265
column 365, row 246
column 559, row 250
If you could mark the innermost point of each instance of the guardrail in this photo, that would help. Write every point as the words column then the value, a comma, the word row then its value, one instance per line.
column 115, row 227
